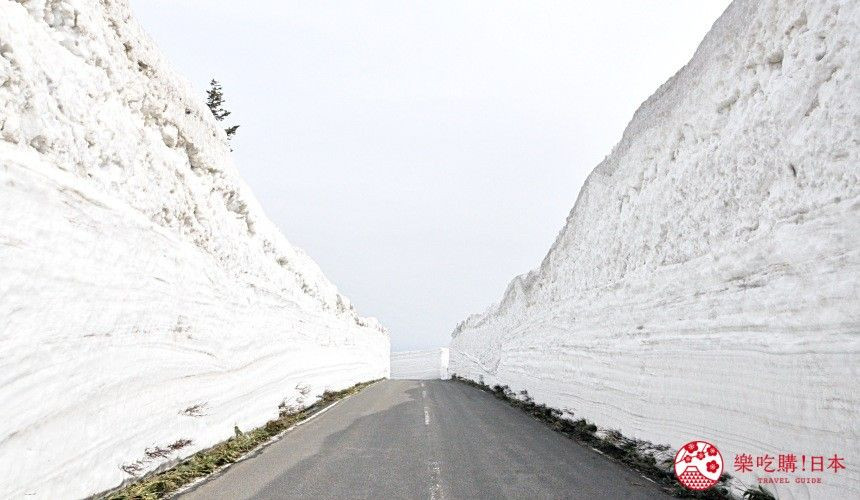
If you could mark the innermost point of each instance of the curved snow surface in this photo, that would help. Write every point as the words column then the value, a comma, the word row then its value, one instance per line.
column 416, row 365
column 706, row 282
column 145, row 298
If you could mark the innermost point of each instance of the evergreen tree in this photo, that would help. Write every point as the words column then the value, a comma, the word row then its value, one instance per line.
column 231, row 131
column 215, row 100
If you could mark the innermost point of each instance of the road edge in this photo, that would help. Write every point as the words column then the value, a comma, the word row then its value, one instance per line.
column 613, row 445
column 178, row 477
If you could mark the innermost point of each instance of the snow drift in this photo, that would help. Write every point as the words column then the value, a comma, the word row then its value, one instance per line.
column 429, row 364
column 145, row 299
column 705, row 284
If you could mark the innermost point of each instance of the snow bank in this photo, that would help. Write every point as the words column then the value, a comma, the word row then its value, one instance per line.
column 430, row 364
column 705, row 284
column 144, row 296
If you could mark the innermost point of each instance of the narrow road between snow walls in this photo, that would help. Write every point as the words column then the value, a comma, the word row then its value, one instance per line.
column 425, row 439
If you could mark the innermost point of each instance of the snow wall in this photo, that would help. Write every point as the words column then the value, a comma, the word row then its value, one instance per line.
column 429, row 364
column 145, row 298
column 706, row 283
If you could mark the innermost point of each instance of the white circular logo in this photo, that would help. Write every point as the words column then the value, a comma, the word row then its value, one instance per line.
column 698, row 465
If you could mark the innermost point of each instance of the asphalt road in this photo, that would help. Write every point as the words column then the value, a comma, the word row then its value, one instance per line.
column 428, row 439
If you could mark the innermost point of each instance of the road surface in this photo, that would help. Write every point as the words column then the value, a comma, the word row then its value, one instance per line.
column 428, row 439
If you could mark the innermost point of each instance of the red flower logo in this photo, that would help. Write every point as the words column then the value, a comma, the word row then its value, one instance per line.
column 698, row 465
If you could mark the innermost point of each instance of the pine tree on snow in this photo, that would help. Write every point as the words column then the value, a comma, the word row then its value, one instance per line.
column 215, row 100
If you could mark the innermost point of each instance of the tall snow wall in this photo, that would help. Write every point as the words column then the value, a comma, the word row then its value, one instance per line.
column 428, row 364
column 707, row 281
column 145, row 298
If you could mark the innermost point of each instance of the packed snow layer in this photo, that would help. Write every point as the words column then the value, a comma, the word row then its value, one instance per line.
column 706, row 284
column 145, row 298
column 429, row 364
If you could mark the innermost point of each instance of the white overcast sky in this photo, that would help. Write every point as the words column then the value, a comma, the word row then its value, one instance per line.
column 425, row 153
